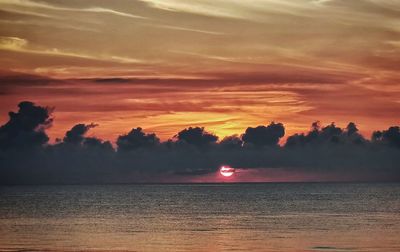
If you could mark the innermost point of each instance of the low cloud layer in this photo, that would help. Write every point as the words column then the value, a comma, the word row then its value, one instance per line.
column 26, row 157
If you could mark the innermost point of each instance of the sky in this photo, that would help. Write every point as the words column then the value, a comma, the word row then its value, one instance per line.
column 223, row 65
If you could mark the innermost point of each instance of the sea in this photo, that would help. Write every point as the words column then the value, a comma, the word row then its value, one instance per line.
column 201, row 217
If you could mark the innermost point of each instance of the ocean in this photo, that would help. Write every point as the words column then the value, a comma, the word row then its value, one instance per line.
column 201, row 217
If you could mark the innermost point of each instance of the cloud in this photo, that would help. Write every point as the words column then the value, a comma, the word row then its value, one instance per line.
column 43, row 5
column 22, row 45
column 252, row 10
column 97, row 144
column 16, row 79
column 196, row 136
column 12, row 43
column 330, row 134
column 180, row 28
column 110, row 11
column 233, row 141
column 264, row 135
column 199, row 8
column 26, row 128
column 77, row 133
column 27, row 158
column 48, row 24
column 136, row 139
column 391, row 136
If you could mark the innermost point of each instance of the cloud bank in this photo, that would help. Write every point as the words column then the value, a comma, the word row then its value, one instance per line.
column 26, row 157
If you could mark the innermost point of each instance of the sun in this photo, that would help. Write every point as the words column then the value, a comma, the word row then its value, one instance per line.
column 226, row 171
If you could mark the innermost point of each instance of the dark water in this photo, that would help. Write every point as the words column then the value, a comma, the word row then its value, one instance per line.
column 220, row 217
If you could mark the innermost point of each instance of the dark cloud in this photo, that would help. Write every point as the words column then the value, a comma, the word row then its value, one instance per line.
column 233, row 141
column 76, row 135
column 13, row 79
column 110, row 80
column 135, row 139
column 25, row 158
column 26, row 128
column 264, row 135
column 391, row 136
column 330, row 134
column 196, row 136
column 353, row 135
column 274, row 75
column 351, row 129
column 95, row 143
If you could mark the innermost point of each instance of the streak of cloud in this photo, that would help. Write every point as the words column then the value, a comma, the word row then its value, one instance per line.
column 44, row 5
column 21, row 45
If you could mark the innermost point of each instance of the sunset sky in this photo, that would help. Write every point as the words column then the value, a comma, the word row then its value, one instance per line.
column 225, row 65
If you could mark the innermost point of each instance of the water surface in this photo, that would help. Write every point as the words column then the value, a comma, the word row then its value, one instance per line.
column 201, row 217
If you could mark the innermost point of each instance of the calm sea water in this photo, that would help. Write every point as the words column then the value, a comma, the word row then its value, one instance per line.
column 199, row 217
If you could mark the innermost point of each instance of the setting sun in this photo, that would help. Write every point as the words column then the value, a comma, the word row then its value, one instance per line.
column 227, row 171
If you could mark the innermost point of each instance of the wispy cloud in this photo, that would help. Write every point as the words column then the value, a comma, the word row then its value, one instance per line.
column 49, row 24
column 12, row 43
column 208, row 56
column 21, row 45
column 255, row 10
column 43, row 5
column 180, row 28
column 194, row 7
column 319, row 50
column 10, row 9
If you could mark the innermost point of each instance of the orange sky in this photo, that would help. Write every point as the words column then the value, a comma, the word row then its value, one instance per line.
column 225, row 65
